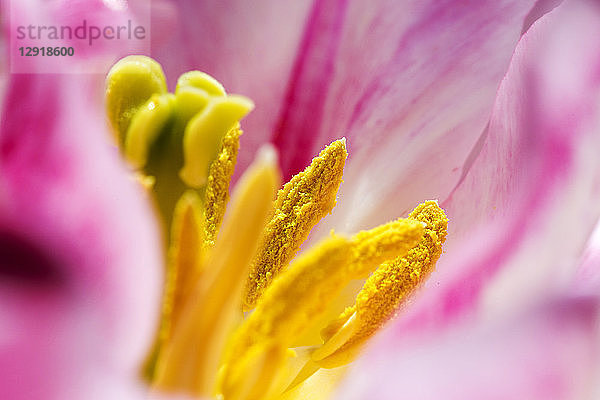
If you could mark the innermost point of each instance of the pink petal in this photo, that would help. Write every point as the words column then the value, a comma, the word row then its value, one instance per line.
column 547, row 354
column 80, row 275
column 521, row 216
column 410, row 84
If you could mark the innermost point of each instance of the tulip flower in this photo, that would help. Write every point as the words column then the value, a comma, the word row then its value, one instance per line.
column 414, row 89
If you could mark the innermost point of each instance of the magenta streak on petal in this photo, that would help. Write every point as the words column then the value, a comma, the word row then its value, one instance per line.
column 459, row 297
column 301, row 116
column 20, row 143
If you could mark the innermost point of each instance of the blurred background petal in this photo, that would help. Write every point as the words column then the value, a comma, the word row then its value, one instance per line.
column 81, row 257
column 549, row 353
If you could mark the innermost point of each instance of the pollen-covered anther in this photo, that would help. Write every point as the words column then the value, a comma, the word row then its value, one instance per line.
column 385, row 242
column 303, row 201
column 384, row 291
column 297, row 297
column 289, row 305
column 217, row 186
column 184, row 265
column 185, row 254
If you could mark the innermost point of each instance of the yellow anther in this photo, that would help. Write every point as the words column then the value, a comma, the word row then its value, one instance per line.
column 302, row 202
column 217, row 186
column 204, row 133
column 190, row 360
column 295, row 297
column 369, row 249
column 384, row 291
column 145, row 127
column 200, row 80
column 298, row 297
column 129, row 85
column 383, row 243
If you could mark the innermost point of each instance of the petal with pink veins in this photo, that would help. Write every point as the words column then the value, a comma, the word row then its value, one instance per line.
column 410, row 84
column 81, row 255
column 521, row 216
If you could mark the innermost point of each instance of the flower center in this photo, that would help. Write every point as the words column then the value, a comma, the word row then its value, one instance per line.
column 184, row 148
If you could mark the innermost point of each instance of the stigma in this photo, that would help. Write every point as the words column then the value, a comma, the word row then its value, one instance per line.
column 239, row 294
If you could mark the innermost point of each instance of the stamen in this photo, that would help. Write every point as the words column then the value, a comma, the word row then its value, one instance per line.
column 389, row 286
column 298, row 297
column 385, row 242
column 369, row 249
column 289, row 304
column 129, row 85
column 217, row 186
column 190, row 361
column 302, row 202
